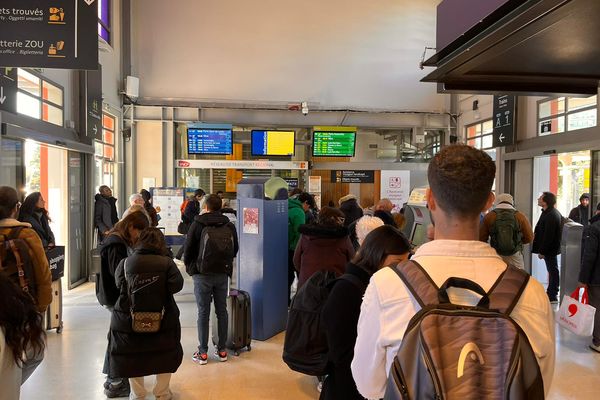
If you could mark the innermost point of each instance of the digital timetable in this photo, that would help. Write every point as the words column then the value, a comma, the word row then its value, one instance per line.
column 273, row 143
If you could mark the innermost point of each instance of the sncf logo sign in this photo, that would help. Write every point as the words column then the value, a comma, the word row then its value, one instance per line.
column 572, row 310
column 472, row 350
column 183, row 164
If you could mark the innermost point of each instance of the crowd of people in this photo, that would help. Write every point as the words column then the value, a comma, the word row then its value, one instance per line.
column 476, row 235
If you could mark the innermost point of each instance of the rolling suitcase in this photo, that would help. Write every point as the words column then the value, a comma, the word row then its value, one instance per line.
column 239, row 329
column 54, row 311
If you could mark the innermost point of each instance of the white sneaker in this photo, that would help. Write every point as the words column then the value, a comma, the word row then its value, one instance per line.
column 595, row 348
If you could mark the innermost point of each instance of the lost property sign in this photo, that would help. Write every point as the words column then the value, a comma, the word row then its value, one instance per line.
column 49, row 33
column 504, row 120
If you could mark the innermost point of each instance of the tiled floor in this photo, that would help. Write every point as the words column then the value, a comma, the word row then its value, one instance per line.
column 73, row 364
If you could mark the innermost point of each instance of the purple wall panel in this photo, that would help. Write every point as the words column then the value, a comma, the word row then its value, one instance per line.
column 455, row 17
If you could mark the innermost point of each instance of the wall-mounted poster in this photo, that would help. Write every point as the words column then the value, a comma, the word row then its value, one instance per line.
column 250, row 221
column 395, row 185
column 169, row 200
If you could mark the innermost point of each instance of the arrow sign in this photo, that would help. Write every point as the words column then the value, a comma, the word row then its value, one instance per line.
column 501, row 137
column 504, row 115
column 95, row 130
column 2, row 96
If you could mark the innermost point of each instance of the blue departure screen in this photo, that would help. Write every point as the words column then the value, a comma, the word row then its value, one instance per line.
column 210, row 141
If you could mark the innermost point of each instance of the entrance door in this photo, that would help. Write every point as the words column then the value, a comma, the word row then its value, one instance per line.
column 77, row 235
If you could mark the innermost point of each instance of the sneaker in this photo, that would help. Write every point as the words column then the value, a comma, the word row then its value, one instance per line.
column 200, row 358
column 221, row 354
column 595, row 348
column 120, row 390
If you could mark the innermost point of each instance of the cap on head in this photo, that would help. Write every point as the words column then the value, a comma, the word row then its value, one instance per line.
column 505, row 198
column 584, row 196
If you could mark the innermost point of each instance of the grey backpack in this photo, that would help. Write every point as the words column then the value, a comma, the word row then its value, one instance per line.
column 464, row 352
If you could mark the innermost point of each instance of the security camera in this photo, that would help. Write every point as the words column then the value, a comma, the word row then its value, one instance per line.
column 304, row 108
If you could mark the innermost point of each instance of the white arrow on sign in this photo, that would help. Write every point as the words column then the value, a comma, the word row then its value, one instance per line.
column 501, row 138
column 89, row 2
column 2, row 96
column 95, row 129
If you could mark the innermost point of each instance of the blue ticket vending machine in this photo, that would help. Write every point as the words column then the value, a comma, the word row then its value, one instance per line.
column 262, row 259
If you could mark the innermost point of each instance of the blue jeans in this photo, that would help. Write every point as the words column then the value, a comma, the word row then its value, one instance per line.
column 553, row 276
column 206, row 288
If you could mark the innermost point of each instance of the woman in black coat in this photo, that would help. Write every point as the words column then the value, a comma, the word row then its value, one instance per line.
column 33, row 211
column 384, row 246
column 115, row 248
column 147, row 281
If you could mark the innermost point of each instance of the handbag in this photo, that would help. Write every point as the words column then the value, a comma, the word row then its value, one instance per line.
column 143, row 321
column 183, row 228
column 576, row 316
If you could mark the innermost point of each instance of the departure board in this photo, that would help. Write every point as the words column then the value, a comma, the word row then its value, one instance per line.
column 273, row 143
column 333, row 144
column 210, row 141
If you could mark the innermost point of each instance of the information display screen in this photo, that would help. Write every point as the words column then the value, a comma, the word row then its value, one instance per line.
column 210, row 141
column 273, row 143
column 333, row 144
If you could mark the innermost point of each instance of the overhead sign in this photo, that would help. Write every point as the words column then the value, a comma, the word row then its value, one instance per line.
column 504, row 120
column 93, row 105
column 241, row 164
column 293, row 183
column 8, row 89
column 49, row 34
column 343, row 176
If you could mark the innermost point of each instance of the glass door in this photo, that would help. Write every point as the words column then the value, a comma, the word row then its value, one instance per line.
column 77, row 235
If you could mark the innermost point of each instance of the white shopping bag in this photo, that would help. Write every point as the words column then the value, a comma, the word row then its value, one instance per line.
column 578, row 317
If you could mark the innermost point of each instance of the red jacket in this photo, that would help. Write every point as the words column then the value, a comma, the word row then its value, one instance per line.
column 322, row 247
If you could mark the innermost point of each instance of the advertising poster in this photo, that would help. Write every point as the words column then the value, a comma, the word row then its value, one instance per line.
column 395, row 185
column 250, row 221
column 314, row 184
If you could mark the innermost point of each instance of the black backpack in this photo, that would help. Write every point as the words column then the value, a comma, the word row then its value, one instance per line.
column 505, row 233
column 216, row 250
column 16, row 262
column 464, row 352
column 305, row 346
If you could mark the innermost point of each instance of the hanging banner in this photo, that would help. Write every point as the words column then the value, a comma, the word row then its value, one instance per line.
column 344, row 176
column 395, row 185
column 49, row 34
column 241, row 164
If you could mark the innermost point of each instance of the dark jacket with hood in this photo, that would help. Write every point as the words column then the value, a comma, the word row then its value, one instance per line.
column 112, row 251
column 590, row 261
column 322, row 247
column 340, row 319
column 40, row 224
column 547, row 234
column 349, row 206
column 192, row 242
column 105, row 213
column 580, row 214
column 153, row 279
column 192, row 210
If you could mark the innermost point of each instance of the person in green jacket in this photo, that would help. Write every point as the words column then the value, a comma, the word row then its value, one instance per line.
column 296, row 217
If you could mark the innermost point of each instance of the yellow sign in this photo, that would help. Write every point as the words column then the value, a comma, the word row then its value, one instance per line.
column 57, row 16
column 280, row 143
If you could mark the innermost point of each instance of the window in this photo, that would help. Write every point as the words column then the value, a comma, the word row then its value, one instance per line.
column 104, row 20
column 480, row 135
column 105, row 148
column 39, row 98
column 564, row 114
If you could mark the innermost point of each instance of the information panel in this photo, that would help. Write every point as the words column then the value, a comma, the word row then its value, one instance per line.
column 333, row 144
column 210, row 141
column 343, row 176
column 273, row 143
column 49, row 34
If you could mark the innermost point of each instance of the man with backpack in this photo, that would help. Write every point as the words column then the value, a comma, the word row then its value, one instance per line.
column 210, row 248
column 507, row 229
column 22, row 255
column 504, row 346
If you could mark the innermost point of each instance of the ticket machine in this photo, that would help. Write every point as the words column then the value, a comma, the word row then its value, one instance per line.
column 417, row 217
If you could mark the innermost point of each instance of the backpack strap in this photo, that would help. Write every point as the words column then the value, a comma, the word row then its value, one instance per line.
column 15, row 232
column 418, row 282
column 507, row 290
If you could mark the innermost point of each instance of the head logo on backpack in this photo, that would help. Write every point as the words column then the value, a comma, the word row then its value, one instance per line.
column 216, row 250
column 464, row 352
column 16, row 262
column 505, row 233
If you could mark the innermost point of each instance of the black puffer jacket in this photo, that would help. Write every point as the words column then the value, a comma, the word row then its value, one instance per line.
column 547, row 235
column 155, row 279
column 112, row 251
column 40, row 224
column 590, row 261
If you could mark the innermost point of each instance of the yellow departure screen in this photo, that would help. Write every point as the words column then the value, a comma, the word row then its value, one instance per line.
column 273, row 143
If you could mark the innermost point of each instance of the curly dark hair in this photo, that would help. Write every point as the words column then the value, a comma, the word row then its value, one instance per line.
column 461, row 179
column 29, row 205
column 331, row 216
column 20, row 320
